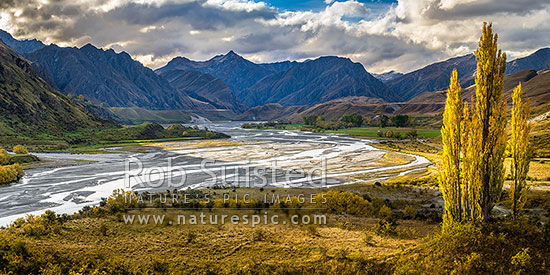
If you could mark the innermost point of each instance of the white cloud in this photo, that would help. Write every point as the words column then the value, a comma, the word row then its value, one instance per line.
column 405, row 36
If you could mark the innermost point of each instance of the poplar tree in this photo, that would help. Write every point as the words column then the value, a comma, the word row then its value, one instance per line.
column 519, row 149
column 474, row 138
column 449, row 177
column 488, row 123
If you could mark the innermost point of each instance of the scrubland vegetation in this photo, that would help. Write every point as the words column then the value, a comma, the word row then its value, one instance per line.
column 364, row 234
column 91, row 140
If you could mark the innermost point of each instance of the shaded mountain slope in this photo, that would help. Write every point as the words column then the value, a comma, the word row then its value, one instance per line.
column 29, row 106
column 539, row 60
column 434, row 77
column 20, row 46
column 204, row 87
column 237, row 72
column 105, row 76
column 316, row 81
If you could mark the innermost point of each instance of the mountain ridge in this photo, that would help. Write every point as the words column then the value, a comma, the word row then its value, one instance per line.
column 104, row 76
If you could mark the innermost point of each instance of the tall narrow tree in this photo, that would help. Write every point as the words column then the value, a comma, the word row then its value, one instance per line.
column 489, row 119
column 449, row 177
column 519, row 148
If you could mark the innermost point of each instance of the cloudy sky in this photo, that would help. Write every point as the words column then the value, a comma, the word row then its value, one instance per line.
column 383, row 35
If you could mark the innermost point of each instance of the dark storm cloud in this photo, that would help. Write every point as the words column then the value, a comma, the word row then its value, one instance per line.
column 406, row 36
column 196, row 14
column 483, row 8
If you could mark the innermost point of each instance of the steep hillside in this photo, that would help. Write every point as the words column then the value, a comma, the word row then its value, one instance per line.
column 237, row 72
column 316, row 81
column 29, row 106
column 20, row 46
column 105, row 76
column 204, row 87
column 539, row 60
column 434, row 77
column 331, row 110
column 536, row 86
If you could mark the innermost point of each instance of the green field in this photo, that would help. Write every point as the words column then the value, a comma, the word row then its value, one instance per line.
column 367, row 131
column 373, row 131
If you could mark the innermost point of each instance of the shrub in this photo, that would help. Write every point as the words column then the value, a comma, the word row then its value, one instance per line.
column 259, row 234
column 11, row 173
column 385, row 226
column 412, row 134
column 522, row 258
column 409, row 212
column 310, row 229
column 20, row 149
column 496, row 247
column 4, row 156
column 184, row 134
column 190, row 237
column 367, row 238
column 102, row 229
column 385, row 212
column 345, row 225
column 389, row 134
column 344, row 202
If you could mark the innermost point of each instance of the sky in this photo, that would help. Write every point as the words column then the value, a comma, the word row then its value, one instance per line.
column 383, row 35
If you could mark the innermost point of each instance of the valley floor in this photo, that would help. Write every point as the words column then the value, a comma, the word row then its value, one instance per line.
column 366, row 241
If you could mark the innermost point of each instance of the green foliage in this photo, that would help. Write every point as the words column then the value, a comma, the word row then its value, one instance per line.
column 310, row 120
column 412, row 134
column 400, row 120
column 355, row 120
column 384, row 121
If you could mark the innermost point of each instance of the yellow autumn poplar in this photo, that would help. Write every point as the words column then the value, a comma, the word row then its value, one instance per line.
column 449, row 176
column 519, row 149
column 488, row 125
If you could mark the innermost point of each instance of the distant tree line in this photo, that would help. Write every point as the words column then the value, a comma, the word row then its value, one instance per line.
column 356, row 120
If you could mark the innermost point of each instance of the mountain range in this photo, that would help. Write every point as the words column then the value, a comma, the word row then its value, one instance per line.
column 237, row 72
column 539, row 60
column 204, row 87
column 20, row 46
column 316, row 81
column 228, row 85
column 29, row 105
column 104, row 76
